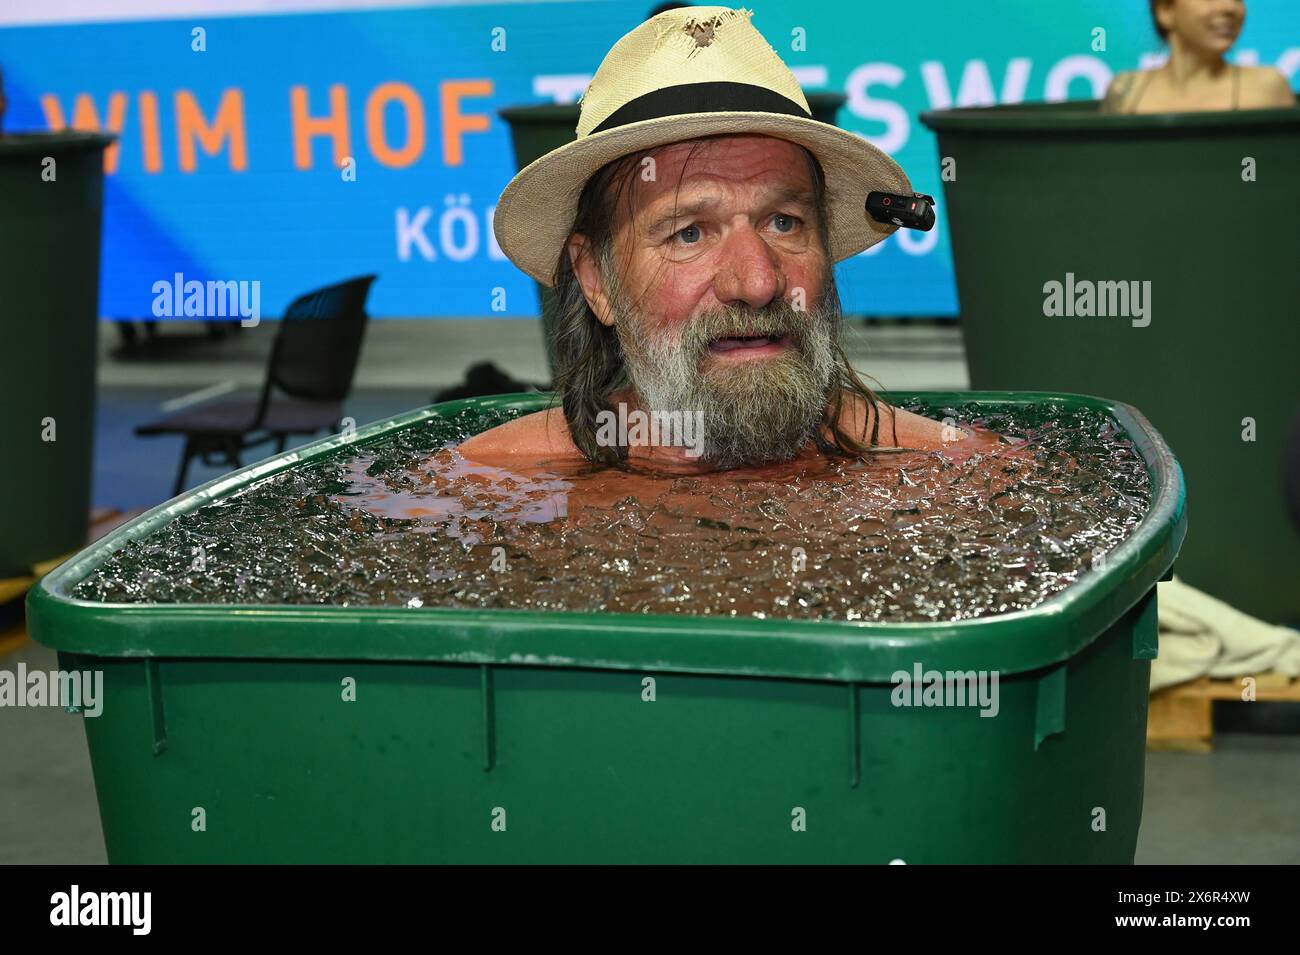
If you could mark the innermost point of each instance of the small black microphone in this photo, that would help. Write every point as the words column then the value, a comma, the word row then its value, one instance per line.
column 911, row 212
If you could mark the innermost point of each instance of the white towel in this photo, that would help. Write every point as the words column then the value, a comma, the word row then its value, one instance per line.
column 1202, row 635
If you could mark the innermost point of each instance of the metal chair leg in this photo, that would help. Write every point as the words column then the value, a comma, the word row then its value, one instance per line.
column 186, row 455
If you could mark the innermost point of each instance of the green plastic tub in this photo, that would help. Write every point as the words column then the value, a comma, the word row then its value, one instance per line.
column 519, row 736
column 536, row 130
column 1046, row 190
column 51, row 202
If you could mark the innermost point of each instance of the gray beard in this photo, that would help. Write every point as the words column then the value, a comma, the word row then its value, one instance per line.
column 756, row 411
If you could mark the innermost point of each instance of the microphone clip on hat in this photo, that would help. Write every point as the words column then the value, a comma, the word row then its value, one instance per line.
column 911, row 212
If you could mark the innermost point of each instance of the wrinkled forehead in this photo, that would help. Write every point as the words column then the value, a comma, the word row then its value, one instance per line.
column 749, row 167
column 740, row 156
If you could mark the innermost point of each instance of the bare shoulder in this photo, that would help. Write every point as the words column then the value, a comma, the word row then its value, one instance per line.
column 898, row 427
column 918, row 431
column 1120, row 87
column 1263, row 86
column 1123, row 80
column 538, row 437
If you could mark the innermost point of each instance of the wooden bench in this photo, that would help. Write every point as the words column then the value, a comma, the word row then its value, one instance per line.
column 1182, row 717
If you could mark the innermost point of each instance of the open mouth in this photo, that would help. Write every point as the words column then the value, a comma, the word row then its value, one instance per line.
column 749, row 344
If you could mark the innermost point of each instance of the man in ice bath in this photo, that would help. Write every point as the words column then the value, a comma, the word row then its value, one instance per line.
column 690, row 232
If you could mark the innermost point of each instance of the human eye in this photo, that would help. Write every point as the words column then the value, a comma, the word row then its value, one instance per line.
column 693, row 230
column 794, row 223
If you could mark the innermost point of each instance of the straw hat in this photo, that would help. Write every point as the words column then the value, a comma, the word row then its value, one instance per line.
column 686, row 73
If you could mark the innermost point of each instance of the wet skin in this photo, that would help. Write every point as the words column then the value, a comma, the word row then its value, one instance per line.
column 519, row 487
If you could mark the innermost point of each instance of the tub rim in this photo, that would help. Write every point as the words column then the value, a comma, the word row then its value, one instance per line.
column 837, row 650
column 27, row 141
column 1073, row 117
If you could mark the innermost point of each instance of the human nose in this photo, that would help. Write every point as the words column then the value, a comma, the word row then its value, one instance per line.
column 750, row 271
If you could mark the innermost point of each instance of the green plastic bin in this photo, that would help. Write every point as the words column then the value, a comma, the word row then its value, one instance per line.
column 1043, row 190
column 51, row 201
column 536, row 130
column 538, row 721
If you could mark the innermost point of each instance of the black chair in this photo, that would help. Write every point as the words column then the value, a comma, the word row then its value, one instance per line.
column 313, row 361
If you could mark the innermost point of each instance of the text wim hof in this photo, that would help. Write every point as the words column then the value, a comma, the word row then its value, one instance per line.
column 1084, row 298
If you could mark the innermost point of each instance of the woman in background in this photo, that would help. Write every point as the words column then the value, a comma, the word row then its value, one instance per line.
column 1196, row 76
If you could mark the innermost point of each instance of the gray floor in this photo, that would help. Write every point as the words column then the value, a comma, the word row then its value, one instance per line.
column 1234, row 805
column 48, row 813
column 401, row 353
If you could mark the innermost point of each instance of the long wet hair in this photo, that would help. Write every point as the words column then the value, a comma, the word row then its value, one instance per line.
column 590, row 362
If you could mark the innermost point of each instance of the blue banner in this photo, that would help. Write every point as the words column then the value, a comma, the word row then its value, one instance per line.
column 298, row 148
